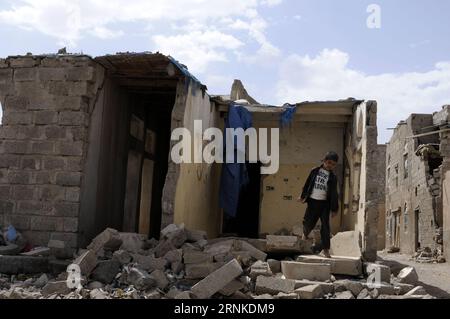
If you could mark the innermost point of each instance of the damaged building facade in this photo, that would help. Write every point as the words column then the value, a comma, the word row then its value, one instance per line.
column 85, row 145
column 416, row 181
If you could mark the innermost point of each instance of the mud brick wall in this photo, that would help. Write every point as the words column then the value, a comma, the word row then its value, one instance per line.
column 47, row 102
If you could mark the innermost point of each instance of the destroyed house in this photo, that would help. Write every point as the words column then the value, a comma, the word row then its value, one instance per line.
column 85, row 144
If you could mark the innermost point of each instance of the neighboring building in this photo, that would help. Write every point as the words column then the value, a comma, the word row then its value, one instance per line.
column 85, row 145
column 415, row 164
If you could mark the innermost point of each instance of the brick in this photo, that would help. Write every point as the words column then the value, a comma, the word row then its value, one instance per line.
column 260, row 268
column 106, row 271
column 287, row 244
column 9, row 161
column 72, row 194
column 80, row 88
column 24, row 192
column 87, row 262
column 298, row 270
column 16, row 103
column 45, row 117
column 17, row 118
column 56, row 287
column 54, row 163
column 70, row 239
column 196, row 257
column 20, row 222
column 25, row 74
column 67, row 209
column 351, row 266
column 70, row 224
column 253, row 251
column 23, row 62
column 16, row 147
column 232, row 288
column 199, row 271
column 52, row 74
column 30, row 163
column 58, row 88
column 30, row 207
column 41, row 177
column 107, row 239
column 68, row 178
column 160, row 278
column 310, row 292
column 77, row 133
column 5, row 192
column 217, row 280
column 275, row 265
column 355, row 287
column 72, row 103
column 6, row 207
column 46, row 223
column 30, row 132
column 43, row 147
column 71, row 118
column 19, row 177
column 69, row 149
column 51, row 192
column 55, row 132
column 273, row 285
column 81, row 74
column 5, row 75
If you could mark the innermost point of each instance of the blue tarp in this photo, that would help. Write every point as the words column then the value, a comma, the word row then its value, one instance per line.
column 189, row 77
column 234, row 175
column 288, row 115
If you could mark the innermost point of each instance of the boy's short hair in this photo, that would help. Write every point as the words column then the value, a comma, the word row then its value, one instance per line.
column 332, row 156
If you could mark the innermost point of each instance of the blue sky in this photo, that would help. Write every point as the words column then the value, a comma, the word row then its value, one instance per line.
column 283, row 50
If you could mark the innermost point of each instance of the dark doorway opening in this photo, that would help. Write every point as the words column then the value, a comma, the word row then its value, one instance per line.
column 246, row 222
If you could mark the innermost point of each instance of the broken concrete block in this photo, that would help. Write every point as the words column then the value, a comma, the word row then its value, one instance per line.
column 283, row 244
column 273, row 285
column 163, row 248
column 264, row 296
column 175, row 234
column 106, row 271
column 364, row 294
column 41, row 281
column 310, row 292
column 274, row 265
column 132, row 242
column 140, row 279
column 99, row 294
column 11, row 265
column 408, row 275
column 174, row 256
column 403, row 288
column 219, row 248
column 87, row 262
column 354, row 286
column 177, row 267
column 217, row 280
column 122, row 256
column 346, row 244
column 109, row 239
column 417, row 291
column 351, row 266
column 254, row 252
column 380, row 272
column 39, row 251
column 244, row 257
column 260, row 244
column 200, row 271
column 260, row 268
column 326, row 287
column 344, row 295
column 231, row 288
column 299, row 270
column 150, row 263
column 196, row 257
column 56, row 287
column 160, row 278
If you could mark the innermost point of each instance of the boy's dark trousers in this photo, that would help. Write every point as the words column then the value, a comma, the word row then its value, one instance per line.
column 318, row 209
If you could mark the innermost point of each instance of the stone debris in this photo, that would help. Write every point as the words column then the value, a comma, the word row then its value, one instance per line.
column 184, row 264
column 426, row 255
column 346, row 244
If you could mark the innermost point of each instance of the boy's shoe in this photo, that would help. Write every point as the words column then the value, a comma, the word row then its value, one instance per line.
column 325, row 253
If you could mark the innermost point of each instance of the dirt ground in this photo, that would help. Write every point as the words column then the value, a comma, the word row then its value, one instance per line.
column 435, row 278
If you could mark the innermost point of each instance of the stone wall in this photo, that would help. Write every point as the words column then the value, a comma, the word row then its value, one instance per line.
column 47, row 102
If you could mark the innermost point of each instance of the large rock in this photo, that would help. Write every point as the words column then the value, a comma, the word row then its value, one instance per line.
column 309, row 271
column 106, row 271
column 273, row 285
column 351, row 266
column 109, row 239
column 408, row 275
column 346, row 244
column 310, row 292
column 218, row 280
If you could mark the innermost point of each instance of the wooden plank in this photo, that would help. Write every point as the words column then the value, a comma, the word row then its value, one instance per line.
column 146, row 197
column 132, row 191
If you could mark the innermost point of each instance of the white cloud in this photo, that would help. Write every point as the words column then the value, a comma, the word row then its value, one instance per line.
column 197, row 49
column 328, row 77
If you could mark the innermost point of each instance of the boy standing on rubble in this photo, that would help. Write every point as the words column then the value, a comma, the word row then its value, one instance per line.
column 320, row 193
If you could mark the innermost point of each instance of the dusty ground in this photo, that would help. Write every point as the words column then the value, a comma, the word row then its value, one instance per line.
column 435, row 278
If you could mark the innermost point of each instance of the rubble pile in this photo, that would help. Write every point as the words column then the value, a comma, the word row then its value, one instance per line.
column 183, row 264
column 427, row 255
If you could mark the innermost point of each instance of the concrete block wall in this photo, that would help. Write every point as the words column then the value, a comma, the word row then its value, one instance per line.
column 47, row 101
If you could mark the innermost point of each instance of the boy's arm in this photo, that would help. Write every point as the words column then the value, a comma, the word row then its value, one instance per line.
column 305, row 187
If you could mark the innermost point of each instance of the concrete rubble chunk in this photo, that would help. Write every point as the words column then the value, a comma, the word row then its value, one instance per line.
column 273, row 285
column 196, row 257
column 275, row 265
column 309, row 271
column 231, row 288
column 41, row 281
column 122, row 256
column 382, row 288
column 221, row 247
column 258, row 243
column 417, row 291
column 132, row 242
column 351, row 266
column 310, row 292
column 184, row 295
column 175, row 234
column 253, row 251
column 408, row 275
column 403, row 288
column 56, row 287
column 200, row 271
column 163, row 247
column 174, row 256
column 87, row 261
column 346, row 244
column 282, row 295
column 260, row 268
column 326, row 287
column 99, row 294
column 109, row 239
column 354, row 286
column 217, row 280
column 344, row 295
column 106, row 271
column 140, row 279
column 150, row 263
column 380, row 272
column 160, row 278
column 364, row 294
column 283, row 244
